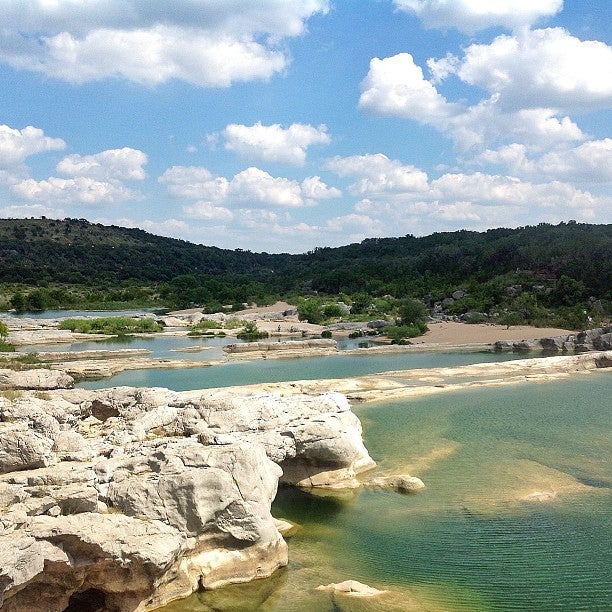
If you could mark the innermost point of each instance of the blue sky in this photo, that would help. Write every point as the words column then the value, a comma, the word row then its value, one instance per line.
column 283, row 125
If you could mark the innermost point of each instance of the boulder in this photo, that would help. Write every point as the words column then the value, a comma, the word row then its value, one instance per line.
column 402, row 483
column 353, row 588
column 35, row 379
column 126, row 498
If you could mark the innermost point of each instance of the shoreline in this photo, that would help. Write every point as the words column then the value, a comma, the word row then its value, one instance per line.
column 428, row 381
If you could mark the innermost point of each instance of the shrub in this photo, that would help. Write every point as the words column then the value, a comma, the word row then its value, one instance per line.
column 399, row 333
column 118, row 326
column 250, row 332
column 326, row 333
column 203, row 328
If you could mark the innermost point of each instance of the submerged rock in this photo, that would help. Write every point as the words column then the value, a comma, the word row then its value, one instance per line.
column 134, row 497
column 402, row 483
column 353, row 588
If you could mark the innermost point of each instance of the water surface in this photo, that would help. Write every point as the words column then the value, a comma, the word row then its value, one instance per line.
column 475, row 538
column 281, row 370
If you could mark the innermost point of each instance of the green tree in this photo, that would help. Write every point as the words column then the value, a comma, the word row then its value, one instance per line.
column 412, row 312
column 18, row 302
column 310, row 309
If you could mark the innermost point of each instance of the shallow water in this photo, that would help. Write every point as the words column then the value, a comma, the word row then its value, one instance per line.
column 473, row 539
column 280, row 370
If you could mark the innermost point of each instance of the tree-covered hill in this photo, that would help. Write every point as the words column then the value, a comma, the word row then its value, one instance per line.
column 76, row 251
column 527, row 270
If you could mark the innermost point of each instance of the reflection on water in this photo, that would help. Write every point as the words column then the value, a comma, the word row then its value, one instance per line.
column 508, row 521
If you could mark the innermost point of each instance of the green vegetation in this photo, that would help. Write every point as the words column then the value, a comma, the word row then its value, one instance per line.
column 205, row 327
column 21, row 362
column 5, row 347
column 250, row 332
column 116, row 326
column 540, row 275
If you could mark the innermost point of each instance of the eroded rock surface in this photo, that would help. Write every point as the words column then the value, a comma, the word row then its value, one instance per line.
column 135, row 497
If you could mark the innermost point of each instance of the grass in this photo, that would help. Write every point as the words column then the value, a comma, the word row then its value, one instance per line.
column 22, row 362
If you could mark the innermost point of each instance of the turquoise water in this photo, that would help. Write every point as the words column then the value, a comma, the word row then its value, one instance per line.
column 160, row 346
column 474, row 539
column 279, row 370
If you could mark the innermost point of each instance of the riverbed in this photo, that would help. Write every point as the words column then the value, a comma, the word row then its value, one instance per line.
column 515, row 514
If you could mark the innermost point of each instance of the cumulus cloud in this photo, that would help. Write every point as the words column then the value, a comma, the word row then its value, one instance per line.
column 24, row 211
column 540, row 68
column 252, row 187
column 194, row 182
column 208, row 211
column 210, row 44
column 16, row 145
column 590, row 162
column 476, row 199
column 474, row 15
column 120, row 164
column 258, row 187
column 377, row 173
column 274, row 143
column 396, row 86
column 313, row 188
column 79, row 190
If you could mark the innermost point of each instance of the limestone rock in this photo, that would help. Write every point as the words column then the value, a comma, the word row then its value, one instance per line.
column 35, row 379
column 353, row 588
column 402, row 483
column 134, row 497
column 23, row 449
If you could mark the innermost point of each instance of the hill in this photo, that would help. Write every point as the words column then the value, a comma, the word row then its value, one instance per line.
column 526, row 269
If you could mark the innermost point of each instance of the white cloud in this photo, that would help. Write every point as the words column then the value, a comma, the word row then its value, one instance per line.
column 17, row 145
column 540, row 68
column 486, row 123
column 474, row 15
column 212, row 43
column 356, row 222
column 253, row 187
column 258, row 187
column 274, row 143
column 79, row 190
column 194, row 182
column 313, row 188
column 589, row 162
column 120, row 164
column 377, row 173
column 173, row 228
column 208, row 211
column 396, row 86
column 17, row 211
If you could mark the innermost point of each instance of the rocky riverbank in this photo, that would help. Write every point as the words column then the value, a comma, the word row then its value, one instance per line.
column 135, row 497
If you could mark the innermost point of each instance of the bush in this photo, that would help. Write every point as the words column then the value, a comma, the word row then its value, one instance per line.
column 250, row 332
column 116, row 326
column 326, row 333
column 399, row 333
column 412, row 312
column 5, row 347
column 203, row 328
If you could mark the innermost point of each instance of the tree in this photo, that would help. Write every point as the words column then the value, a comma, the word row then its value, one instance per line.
column 412, row 312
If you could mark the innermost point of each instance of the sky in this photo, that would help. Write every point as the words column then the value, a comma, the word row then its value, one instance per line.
column 286, row 125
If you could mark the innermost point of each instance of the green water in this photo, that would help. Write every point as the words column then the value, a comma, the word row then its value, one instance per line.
column 278, row 370
column 473, row 539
